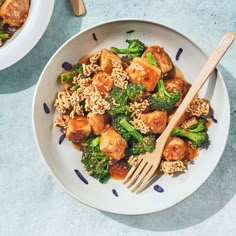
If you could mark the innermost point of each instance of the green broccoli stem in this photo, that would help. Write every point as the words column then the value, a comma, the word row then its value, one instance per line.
column 67, row 77
column 4, row 36
column 120, row 51
column 151, row 59
column 96, row 141
column 161, row 89
column 78, row 68
column 135, row 49
column 123, row 50
column 130, row 128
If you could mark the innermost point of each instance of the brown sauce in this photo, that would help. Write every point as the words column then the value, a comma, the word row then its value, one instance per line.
column 86, row 59
column 77, row 146
column 179, row 73
column 193, row 153
column 118, row 170
column 186, row 85
column 208, row 123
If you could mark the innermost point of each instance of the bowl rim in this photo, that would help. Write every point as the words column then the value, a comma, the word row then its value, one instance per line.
column 34, row 27
column 227, row 117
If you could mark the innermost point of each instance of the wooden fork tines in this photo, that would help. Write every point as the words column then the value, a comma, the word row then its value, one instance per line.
column 141, row 173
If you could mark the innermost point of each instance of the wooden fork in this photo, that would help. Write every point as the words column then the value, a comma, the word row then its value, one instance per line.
column 141, row 173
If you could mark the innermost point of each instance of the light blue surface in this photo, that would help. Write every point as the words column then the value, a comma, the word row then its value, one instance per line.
column 32, row 203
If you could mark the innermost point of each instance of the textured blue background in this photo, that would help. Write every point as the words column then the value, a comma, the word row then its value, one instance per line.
column 32, row 203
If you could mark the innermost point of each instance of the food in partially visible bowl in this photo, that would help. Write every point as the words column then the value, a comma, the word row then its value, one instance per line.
column 13, row 14
column 19, row 37
column 114, row 108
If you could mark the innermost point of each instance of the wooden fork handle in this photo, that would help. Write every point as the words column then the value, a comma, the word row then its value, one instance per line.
column 208, row 68
column 78, row 7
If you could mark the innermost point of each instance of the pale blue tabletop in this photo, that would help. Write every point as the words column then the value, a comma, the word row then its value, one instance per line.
column 32, row 202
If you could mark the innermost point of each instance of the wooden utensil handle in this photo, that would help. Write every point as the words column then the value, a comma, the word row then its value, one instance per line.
column 208, row 68
column 78, row 7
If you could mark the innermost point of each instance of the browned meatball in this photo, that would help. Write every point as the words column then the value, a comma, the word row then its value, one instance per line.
column 97, row 122
column 175, row 150
column 112, row 144
column 184, row 117
column 156, row 121
column 78, row 129
column 103, row 82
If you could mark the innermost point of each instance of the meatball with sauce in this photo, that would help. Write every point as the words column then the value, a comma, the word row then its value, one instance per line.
column 78, row 129
column 97, row 122
column 103, row 82
column 112, row 144
column 156, row 121
column 184, row 117
column 175, row 150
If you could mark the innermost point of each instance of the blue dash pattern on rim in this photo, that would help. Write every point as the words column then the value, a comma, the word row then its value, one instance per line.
column 81, row 177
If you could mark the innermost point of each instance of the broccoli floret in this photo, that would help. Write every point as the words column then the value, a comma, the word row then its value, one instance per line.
column 133, row 90
column 151, row 59
column 117, row 110
column 148, row 145
column 96, row 163
column 141, row 144
column 118, row 100
column 198, row 138
column 135, row 49
column 78, row 69
column 67, row 77
column 119, row 128
column 119, row 95
column 199, row 127
column 163, row 100
column 196, row 133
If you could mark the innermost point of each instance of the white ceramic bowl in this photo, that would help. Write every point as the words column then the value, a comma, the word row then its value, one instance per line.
column 63, row 159
column 28, row 35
